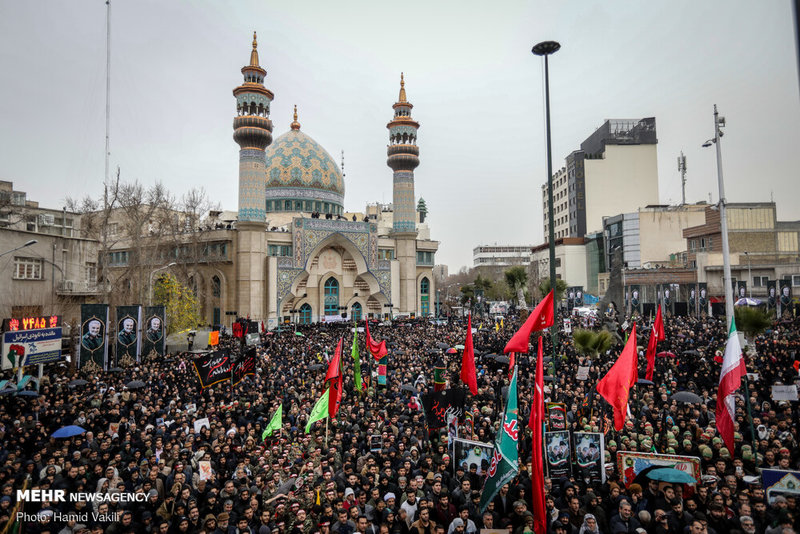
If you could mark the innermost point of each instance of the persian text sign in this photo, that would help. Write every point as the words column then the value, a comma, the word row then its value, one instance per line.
column 31, row 347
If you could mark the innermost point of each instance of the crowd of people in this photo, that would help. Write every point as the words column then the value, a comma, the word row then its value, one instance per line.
column 376, row 468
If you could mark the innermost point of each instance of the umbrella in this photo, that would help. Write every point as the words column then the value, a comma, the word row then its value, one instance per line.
column 408, row 387
column 645, row 382
column 686, row 396
column 460, row 347
column 549, row 378
column 116, row 370
column 501, row 359
column 670, row 474
column 666, row 354
column 299, row 334
column 442, row 345
column 433, row 351
column 747, row 302
column 691, row 352
column 27, row 393
column 68, row 431
column 399, row 351
column 315, row 366
column 8, row 391
column 451, row 351
column 135, row 384
column 78, row 382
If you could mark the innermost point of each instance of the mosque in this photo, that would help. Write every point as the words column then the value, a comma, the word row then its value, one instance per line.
column 295, row 253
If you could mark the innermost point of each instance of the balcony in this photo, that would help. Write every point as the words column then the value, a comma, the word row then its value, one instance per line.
column 76, row 288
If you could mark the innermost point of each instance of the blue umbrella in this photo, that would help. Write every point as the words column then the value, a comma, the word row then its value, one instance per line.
column 27, row 393
column 68, row 431
column 670, row 474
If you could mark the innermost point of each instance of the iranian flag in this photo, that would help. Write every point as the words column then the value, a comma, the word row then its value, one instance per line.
column 505, row 461
column 730, row 380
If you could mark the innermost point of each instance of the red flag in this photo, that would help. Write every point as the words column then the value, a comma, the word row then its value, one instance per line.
column 468, row 374
column 334, row 378
column 615, row 386
column 536, row 424
column 512, row 360
column 378, row 350
column 540, row 318
column 656, row 335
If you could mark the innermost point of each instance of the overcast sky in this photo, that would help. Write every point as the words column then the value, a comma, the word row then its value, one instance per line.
column 476, row 88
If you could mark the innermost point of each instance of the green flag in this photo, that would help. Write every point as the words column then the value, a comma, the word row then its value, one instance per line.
column 356, row 360
column 320, row 410
column 275, row 423
column 505, row 461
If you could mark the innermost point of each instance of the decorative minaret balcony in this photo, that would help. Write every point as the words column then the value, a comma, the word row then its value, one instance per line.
column 403, row 157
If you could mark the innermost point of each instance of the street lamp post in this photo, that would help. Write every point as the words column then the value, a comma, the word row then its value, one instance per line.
column 545, row 48
column 719, row 122
column 150, row 286
column 28, row 244
column 749, row 277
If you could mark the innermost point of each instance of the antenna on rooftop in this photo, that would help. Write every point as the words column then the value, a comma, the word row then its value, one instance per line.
column 682, row 170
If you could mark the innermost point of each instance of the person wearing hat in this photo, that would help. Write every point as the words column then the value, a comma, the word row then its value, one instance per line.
column 467, row 523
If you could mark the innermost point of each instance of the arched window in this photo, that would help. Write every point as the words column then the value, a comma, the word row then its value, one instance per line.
column 216, row 286
column 356, row 311
column 305, row 314
column 331, row 296
column 424, row 296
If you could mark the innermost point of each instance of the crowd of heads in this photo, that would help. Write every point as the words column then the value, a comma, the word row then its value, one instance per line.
column 377, row 468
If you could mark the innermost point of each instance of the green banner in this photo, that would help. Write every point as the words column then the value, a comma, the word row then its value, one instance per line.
column 505, row 460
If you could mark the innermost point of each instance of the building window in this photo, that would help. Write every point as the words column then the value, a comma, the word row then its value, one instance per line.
column 331, row 296
column 91, row 273
column 269, row 205
column 385, row 253
column 28, row 269
column 118, row 259
column 760, row 281
column 305, row 314
column 796, row 280
column 356, row 311
column 424, row 257
column 279, row 250
column 216, row 286
column 287, row 205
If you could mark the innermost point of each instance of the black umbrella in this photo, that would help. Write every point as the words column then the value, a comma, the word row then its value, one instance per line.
column 433, row 351
column 691, row 352
column 27, row 393
column 116, row 370
column 78, row 382
column 645, row 382
column 135, row 384
column 409, row 387
column 687, row 396
column 501, row 359
column 549, row 378
column 442, row 345
column 315, row 366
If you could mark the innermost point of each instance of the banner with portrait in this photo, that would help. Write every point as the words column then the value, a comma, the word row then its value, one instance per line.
column 467, row 452
column 129, row 335
column 785, row 297
column 636, row 300
column 154, row 332
column 632, row 464
column 740, row 290
column 578, row 296
column 589, row 456
column 702, row 299
column 693, row 299
column 772, row 295
column 671, row 294
column 556, row 415
column 93, row 344
column 570, row 298
column 780, row 483
column 557, row 453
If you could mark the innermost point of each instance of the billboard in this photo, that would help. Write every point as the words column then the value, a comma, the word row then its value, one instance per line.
column 31, row 347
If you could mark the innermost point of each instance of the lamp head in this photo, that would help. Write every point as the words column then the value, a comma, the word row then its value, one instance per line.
column 546, row 48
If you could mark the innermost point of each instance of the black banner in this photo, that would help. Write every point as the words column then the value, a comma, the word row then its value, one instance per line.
column 556, row 415
column 213, row 368
column 557, row 453
column 440, row 404
column 741, row 290
column 702, row 299
column 589, row 456
column 154, row 333
column 772, row 295
column 785, row 297
column 636, row 300
column 93, row 348
column 692, row 299
column 245, row 366
column 128, row 334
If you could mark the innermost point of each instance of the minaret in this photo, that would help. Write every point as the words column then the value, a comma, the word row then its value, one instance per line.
column 252, row 131
column 403, row 158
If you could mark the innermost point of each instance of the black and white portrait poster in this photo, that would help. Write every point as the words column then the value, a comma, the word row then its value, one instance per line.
column 772, row 295
column 589, row 453
column 785, row 297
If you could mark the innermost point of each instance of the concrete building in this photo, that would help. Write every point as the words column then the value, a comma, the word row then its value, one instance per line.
column 614, row 171
column 570, row 261
column 45, row 267
column 501, row 255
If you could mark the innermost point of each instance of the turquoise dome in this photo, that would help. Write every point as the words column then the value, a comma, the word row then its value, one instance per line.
column 299, row 170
